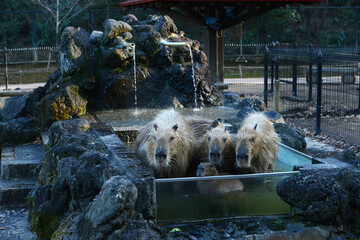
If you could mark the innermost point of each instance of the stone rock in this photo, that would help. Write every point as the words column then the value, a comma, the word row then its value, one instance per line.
column 114, row 205
column 112, row 29
column 126, row 36
column 274, row 117
column 253, row 103
column 73, row 126
column 130, row 19
column 242, row 114
column 96, row 36
column 316, row 196
column 292, row 137
column 15, row 107
column 75, row 51
column 250, row 105
column 61, row 105
column 22, row 130
column 69, row 145
column 119, row 58
column 349, row 156
column 165, row 26
column 231, row 98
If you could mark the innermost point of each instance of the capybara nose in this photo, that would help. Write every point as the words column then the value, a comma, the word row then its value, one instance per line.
column 215, row 154
column 242, row 157
column 160, row 155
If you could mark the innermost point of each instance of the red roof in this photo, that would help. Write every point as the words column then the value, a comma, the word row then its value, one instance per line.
column 136, row 2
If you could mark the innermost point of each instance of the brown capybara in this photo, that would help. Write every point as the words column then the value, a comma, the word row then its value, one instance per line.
column 167, row 144
column 215, row 187
column 256, row 145
column 217, row 146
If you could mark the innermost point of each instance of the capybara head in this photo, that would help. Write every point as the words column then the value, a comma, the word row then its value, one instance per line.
column 165, row 141
column 206, row 169
column 247, row 140
column 217, row 137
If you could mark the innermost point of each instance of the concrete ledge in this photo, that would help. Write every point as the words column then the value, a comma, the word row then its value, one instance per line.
column 9, row 93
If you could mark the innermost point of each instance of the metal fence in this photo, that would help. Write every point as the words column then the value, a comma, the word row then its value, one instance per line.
column 313, row 87
column 26, row 65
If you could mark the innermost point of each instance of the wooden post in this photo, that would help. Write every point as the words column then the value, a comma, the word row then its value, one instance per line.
column 20, row 76
column 277, row 87
column 220, row 55
column 6, row 69
column 319, row 86
column 49, row 60
column 212, row 54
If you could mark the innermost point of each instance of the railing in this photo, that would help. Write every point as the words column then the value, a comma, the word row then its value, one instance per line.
column 27, row 65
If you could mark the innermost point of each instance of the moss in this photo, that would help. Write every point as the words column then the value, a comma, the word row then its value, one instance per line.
column 117, row 70
column 276, row 224
column 45, row 225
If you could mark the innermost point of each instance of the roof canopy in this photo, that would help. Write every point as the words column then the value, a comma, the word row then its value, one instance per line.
column 215, row 14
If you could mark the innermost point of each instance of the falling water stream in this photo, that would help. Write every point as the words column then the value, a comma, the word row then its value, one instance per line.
column 135, row 86
column 175, row 44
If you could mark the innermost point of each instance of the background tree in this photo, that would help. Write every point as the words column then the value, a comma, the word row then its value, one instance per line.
column 62, row 11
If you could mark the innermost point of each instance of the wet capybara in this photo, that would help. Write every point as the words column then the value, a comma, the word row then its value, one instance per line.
column 167, row 144
column 256, row 145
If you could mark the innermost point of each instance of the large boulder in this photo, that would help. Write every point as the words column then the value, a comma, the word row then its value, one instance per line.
column 62, row 104
column 75, row 51
column 113, row 29
column 15, row 107
column 249, row 105
column 290, row 136
column 19, row 130
column 329, row 197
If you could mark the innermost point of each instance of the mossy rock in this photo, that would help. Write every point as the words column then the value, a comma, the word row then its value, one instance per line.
column 45, row 225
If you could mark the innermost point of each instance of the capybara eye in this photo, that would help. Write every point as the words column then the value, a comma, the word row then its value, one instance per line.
column 209, row 138
column 172, row 138
column 252, row 139
column 224, row 139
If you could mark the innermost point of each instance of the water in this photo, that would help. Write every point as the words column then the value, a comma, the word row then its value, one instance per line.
column 135, row 85
column 176, row 44
column 125, row 117
column 182, row 202
column 193, row 76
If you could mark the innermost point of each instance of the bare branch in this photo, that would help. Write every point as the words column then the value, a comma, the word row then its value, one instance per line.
column 47, row 7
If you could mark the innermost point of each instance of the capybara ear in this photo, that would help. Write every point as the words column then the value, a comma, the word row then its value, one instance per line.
column 219, row 120
column 215, row 123
column 175, row 127
column 225, row 128
column 156, row 126
column 255, row 126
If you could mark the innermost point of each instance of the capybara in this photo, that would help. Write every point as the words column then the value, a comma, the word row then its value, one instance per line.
column 217, row 146
column 167, row 144
column 256, row 145
column 216, row 187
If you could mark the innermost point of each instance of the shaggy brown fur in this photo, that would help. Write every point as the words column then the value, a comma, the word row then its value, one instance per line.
column 217, row 146
column 256, row 145
column 167, row 144
column 216, row 187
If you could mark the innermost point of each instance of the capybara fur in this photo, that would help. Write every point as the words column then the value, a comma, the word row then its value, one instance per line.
column 167, row 144
column 256, row 145
column 217, row 146
column 216, row 187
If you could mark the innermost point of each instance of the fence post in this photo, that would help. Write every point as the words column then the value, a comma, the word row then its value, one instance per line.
column 294, row 72
column 277, row 86
column 6, row 69
column 272, row 69
column 266, row 59
column 318, row 83
column 311, row 49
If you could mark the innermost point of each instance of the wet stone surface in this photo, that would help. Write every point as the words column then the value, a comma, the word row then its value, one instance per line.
column 14, row 224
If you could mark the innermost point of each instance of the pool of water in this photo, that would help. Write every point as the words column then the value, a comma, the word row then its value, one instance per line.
column 131, row 117
column 184, row 199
